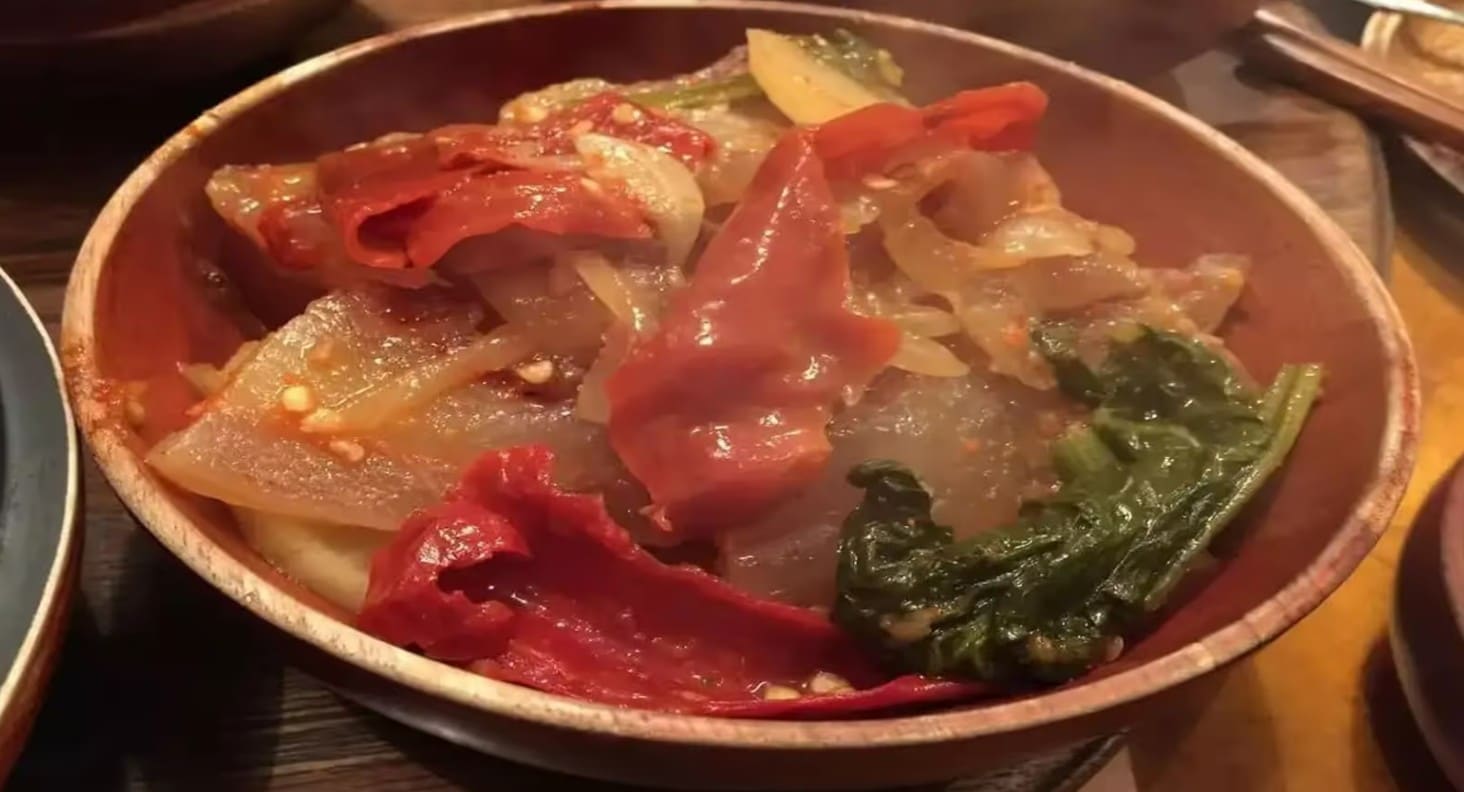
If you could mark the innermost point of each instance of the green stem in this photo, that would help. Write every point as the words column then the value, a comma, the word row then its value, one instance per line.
column 1284, row 408
column 720, row 91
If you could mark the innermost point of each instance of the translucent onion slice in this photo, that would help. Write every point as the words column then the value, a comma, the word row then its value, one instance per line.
column 1039, row 235
column 857, row 212
column 938, row 263
column 630, row 305
column 743, row 139
column 493, row 352
column 663, row 187
column 205, row 379
column 593, row 404
column 923, row 321
column 804, row 88
column 535, row 106
column 1115, row 240
column 931, row 358
column 331, row 560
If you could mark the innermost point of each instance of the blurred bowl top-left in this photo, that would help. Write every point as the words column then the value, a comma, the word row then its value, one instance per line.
column 122, row 43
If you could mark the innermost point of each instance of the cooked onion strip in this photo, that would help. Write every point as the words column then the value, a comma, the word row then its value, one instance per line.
column 493, row 352
column 931, row 358
column 923, row 321
column 663, row 187
column 205, row 379
column 1047, row 234
column 938, row 263
column 593, row 403
column 331, row 560
column 804, row 88
column 630, row 305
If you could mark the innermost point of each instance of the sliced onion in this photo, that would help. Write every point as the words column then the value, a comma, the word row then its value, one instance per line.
column 931, row 358
column 857, row 212
column 241, row 356
column 743, row 140
column 630, row 305
column 205, row 379
column 1115, row 240
column 593, row 403
column 1038, row 235
column 802, row 87
column 923, row 321
column 332, row 560
column 663, row 187
column 1032, row 187
column 535, row 106
column 938, row 263
column 208, row 380
column 493, row 352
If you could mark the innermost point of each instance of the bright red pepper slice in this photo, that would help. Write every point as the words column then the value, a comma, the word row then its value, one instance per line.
column 369, row 199
column 722, row 411
column 999, row 118
column 540, row 587
column 554, row 202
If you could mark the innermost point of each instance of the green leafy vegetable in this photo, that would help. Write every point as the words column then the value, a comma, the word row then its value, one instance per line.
column 720, row 84
column 857, row 58
column 1176, row 446
column 693, row 94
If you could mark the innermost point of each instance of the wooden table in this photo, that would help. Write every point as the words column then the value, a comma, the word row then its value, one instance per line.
column 164, row 685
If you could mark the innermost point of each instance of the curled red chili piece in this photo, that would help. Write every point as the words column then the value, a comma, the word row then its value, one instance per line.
column 539, row 586
column 999, row 118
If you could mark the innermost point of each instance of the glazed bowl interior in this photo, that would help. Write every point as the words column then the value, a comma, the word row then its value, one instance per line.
column 143, row 302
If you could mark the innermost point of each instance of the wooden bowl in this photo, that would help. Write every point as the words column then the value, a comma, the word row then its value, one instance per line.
column 39, row 543
column 138, row 305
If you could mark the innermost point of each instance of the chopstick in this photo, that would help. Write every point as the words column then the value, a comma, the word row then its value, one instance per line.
column 1422, row 8
column 1347, row 76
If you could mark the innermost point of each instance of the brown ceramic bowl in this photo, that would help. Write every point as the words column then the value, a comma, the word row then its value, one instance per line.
column 138, row 305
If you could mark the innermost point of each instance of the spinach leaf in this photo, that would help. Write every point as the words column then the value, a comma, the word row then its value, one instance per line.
column 1176, row 445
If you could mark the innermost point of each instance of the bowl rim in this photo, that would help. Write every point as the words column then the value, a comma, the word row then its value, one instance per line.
column 1351, row 542
column 51, row 469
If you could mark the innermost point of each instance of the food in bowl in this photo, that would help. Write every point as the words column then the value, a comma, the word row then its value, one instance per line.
column 756, row 391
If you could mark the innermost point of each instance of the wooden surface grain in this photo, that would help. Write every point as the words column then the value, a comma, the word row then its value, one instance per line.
column 164, row 685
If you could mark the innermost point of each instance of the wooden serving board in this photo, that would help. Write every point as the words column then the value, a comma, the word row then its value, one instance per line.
column 165, row 685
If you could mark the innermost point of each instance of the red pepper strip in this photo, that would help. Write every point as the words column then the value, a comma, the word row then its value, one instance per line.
column 408, row 607
column 555, row 202
column 722, row 411
column 999, row 118
column 369, row 198
column 593, row 616
column 368, row 183
column 608, row 114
